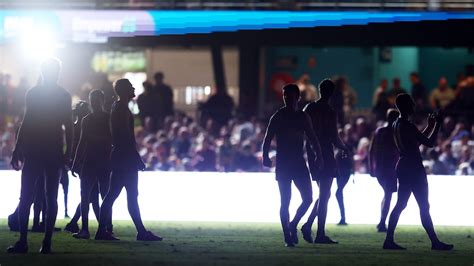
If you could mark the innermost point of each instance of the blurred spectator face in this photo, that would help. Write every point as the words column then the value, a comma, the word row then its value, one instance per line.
column 396, row 83
column 348, row 129
column 305, row 79
column 149, row 123
column 443, row 83
column 384, row 84
column 184, row 133
column 159, row 78
column 206, row 144
column 448, row 124
column 414, row 78
column 147, row 86
column 465, row 153
column 447, row 149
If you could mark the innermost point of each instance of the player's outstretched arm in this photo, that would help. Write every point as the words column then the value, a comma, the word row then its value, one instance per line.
column 430, row 133
column 68, row 126
column 267, row 141
column 373, row 148
column 79, row 152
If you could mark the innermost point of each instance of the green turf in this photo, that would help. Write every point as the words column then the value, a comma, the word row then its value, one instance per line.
column 204, row 243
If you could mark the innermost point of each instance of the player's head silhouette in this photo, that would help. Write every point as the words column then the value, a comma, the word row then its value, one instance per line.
column 291, row 95
column 124, row 89
column 405, row 104
column 96, row 98
column 50, row 69
column 392, row 115
column 326, row 88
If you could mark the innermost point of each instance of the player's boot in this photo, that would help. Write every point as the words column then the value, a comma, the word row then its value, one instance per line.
column 441, row 246
column 289, row 241
column 104, row 235
column 82, row 235
column 392, row 245
column 18, row 248
column 148, row 236
column 324, row 240
column 306, row 232
column 381, row 228
column 72, row 227
column 293, row 233
column 342, row 222
column 13, row 223
column 45, row 247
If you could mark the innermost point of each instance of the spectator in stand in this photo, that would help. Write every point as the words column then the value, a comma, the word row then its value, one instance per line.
column 380, row 100
column 206, row 157
column 396, row 89
column 437, row 166
column 350, row 97
column 308, row 91
column 10, row 89
column 442, row 96
column 19, row 97
column 3, row 98
column 246, row 160
column 226, row 154
column 418, row 91
column 148, row 104
column 182, row 146
column 165, row 94
column 218, row 108
column 447, row 158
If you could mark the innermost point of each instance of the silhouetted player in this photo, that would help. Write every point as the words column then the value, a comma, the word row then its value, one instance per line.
column 40, row 139
column 410, row 171
column 290, row 127
column 80, row 111
column 383, row 157
column 345, row 167
column 125, row 164
column 93, row 150
column 324, row 120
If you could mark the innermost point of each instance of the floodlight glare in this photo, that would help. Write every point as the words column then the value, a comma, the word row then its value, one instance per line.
column 254, row 197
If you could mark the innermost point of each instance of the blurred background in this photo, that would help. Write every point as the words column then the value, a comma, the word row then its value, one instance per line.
column 208, row 74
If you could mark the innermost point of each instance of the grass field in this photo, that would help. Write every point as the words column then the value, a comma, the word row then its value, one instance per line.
column 204, row 243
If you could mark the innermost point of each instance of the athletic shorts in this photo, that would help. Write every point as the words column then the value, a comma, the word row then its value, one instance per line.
column 388, row 182
column 411, row 173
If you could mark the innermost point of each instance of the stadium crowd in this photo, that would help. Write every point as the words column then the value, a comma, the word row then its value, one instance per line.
column 219, row 140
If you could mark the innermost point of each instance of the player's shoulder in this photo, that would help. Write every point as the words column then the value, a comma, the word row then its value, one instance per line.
column 309, row 107
column 279, row 112
column 35, row 90
column 301, row 114
column 63, row 94
column 87, row 117
column 275, row 116
column 382, row 130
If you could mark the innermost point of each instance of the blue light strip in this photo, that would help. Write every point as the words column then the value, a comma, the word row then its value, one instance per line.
column 155, row 23
column 185, row 22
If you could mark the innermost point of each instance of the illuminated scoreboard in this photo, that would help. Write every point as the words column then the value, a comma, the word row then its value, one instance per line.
column 99, row 25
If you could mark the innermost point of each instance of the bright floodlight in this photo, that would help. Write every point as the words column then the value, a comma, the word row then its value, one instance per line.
column 39, row 43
